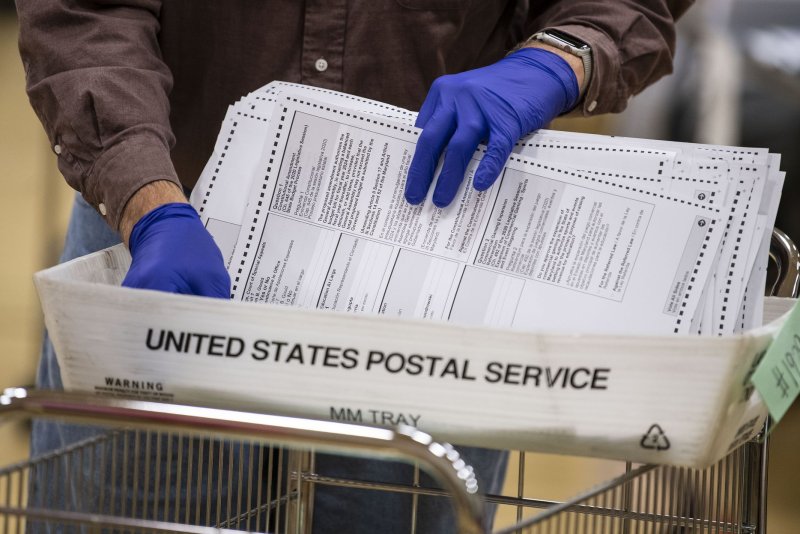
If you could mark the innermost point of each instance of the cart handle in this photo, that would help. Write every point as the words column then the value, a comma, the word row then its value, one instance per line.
column 440, row 460
column 784, row 254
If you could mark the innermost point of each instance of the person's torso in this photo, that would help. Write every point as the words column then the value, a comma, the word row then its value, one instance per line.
column 388, row 50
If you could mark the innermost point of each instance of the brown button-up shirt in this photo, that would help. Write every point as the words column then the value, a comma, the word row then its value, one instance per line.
column 133, row 91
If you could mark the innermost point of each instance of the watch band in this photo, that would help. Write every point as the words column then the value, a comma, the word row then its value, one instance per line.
column 570, row 45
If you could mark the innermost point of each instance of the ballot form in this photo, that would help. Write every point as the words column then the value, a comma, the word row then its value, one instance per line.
column 547, row 247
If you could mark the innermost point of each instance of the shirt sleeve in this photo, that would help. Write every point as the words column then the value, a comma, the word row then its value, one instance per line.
column 97, row 82
column 633, row 43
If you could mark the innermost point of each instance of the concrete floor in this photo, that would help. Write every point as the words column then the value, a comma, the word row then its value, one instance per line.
column 34, row 207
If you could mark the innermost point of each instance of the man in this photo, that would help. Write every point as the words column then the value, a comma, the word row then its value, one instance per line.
column 132, row 92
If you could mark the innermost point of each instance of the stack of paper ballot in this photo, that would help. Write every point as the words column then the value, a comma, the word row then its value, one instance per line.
column 581, row 233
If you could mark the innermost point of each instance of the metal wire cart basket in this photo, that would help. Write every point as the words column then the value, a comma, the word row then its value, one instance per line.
column 170, row 468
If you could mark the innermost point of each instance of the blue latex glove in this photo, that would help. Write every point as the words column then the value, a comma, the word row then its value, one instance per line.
column 172, row 251
column 499, row 103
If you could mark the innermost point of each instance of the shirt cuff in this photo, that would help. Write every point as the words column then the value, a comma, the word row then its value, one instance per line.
column 122, row 170
column 604, row 93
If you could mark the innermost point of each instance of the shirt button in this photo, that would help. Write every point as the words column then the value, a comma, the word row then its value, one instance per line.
column 591, row 106
column 102, row 208
column 321, row 64
column 57, row 149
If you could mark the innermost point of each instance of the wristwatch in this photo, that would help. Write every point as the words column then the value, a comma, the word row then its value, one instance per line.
column 571, row 45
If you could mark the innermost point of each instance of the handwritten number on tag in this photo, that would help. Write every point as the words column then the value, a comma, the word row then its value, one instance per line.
column 787, row 372
column 791, row 366
column 777, row 376
column 780, row 381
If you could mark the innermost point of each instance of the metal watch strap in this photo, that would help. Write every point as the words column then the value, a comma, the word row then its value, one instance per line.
column 586, row 58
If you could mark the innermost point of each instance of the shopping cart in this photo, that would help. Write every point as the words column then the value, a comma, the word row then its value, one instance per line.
column 173, row 468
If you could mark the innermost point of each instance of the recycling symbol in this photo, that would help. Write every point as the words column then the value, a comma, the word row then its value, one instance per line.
column 655, row 439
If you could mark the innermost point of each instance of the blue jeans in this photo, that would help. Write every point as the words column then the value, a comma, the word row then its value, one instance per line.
column 336, row 510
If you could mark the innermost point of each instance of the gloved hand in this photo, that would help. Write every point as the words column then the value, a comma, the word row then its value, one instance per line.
column 172, row 251
column 499, row 103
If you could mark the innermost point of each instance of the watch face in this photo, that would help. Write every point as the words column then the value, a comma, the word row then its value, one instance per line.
column 568, row 39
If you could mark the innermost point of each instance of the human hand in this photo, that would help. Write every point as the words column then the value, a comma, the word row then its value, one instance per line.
column 172, row 251
column 499, row 103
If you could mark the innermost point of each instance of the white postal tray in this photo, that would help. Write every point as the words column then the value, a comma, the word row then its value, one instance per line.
column 669, row 400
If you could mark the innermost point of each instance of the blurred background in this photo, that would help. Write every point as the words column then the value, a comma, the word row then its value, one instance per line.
column 736, row 82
